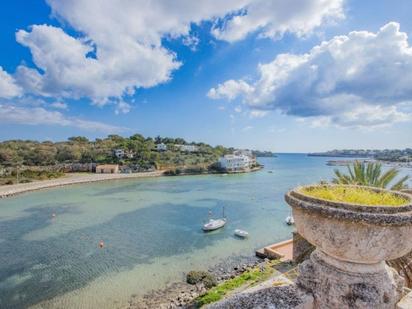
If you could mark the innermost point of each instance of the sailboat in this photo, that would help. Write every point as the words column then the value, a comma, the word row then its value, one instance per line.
column 214, row 224
column 289, row 220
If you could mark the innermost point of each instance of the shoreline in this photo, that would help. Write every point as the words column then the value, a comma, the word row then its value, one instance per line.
column 79, row 178
column 69, row 179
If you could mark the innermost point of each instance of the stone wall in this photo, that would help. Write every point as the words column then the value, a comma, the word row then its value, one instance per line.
column 301, row 248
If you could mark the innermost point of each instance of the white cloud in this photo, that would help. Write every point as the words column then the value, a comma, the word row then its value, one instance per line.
column 230, row 90
column 359, row 79
column 247, row 128
column 273, row 18
column 40, row 116
column 258, row 113
column 70, row 71
column 8, row 86
column 118, row 47
column 122, row 108
column 191, row 41
column 59, row 105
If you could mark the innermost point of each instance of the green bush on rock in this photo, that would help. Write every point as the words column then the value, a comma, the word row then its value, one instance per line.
column 206, row 278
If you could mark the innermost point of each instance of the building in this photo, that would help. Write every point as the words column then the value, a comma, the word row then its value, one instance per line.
column 187, row 148
column 121, row 153
column 234, row 162
column 248, row 153
column 161, row 147
column 118, row 153
column 107, row 169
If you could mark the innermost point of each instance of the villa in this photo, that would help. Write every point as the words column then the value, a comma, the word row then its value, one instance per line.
column 187, row 148
column 121, row 153
column 234, row 162
column 161, row 147
column 118, row 153
column 248, row 153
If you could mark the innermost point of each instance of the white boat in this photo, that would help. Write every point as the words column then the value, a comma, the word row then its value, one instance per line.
column 214, row 224
column 289, row 220
column 241, row 233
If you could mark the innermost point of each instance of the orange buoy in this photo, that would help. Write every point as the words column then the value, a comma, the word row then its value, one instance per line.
column 101, row 244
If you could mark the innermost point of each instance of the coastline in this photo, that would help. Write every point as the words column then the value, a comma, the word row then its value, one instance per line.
column 69, row 179
column 79, row 178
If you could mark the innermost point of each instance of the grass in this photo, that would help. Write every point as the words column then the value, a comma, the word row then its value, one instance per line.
column 354, row 195
column 28, row 176
column 251, row 276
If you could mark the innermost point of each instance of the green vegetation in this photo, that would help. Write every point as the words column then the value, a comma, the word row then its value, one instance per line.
column 140, row 154
column 28, row 176
column 206, row 278
column 392, row 155
column 249, row 277
column 354, row 195
column 370, row 174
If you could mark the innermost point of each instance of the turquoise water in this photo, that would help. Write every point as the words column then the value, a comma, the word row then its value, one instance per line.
column 151, row 229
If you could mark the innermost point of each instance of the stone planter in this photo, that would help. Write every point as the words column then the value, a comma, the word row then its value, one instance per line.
column 347, row 269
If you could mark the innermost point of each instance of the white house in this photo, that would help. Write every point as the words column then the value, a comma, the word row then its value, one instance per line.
column 161, row 147
column 234, row 162
column 118, row 153
column 187, row 148
column 121, row 153
column 246, row 152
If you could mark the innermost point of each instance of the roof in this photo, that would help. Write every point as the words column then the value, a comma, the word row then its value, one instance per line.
column 107, row 166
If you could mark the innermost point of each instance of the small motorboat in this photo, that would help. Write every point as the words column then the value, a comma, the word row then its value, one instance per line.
column 214, row 224
column 241, row 233
column 289, row 220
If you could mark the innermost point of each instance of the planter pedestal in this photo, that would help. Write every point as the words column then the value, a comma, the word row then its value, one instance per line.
column 347, row 285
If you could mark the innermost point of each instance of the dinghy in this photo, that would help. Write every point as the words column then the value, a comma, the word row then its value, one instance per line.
column 289, row 220
column 241, row 233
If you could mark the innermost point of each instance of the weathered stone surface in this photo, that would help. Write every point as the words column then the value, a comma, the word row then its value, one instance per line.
column 348, row 270
column 301, row 248
column 282, row 297
column 335, row 287
column 359, row 234
column 405, row 302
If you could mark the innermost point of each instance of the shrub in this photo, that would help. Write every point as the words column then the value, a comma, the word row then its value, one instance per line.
column 206, row 278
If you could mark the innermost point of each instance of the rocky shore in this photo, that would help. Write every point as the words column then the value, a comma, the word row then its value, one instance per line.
column 182, row 294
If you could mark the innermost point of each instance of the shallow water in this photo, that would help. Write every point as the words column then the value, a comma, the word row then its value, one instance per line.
column 150, row 228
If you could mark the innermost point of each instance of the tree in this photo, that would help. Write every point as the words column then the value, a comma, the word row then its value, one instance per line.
column 370, row 174
column 78, row 139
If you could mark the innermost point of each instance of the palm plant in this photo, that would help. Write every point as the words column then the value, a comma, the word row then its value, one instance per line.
column 370, row 174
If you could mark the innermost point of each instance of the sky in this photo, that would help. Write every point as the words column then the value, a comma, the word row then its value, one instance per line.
column 285, row 76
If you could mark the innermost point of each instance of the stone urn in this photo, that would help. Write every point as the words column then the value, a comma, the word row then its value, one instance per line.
column 347, row 269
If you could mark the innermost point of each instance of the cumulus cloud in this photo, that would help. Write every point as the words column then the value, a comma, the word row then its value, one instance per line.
column 40, row 116
column 117, row 46
column 59, row 105
column 230, row 90
column 122, row 108
column 359, row 79
column 8, row 86
column 276, row 17
column 71, row 70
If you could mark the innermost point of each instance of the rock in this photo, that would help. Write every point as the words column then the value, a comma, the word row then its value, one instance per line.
column 194, row 277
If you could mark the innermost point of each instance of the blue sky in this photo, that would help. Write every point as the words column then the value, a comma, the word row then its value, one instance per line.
column 309, row 75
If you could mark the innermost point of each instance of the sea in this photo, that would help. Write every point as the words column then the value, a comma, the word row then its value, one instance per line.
column 95, row 245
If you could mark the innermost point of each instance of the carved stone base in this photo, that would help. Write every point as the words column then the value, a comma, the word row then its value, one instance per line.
column 345, row 285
